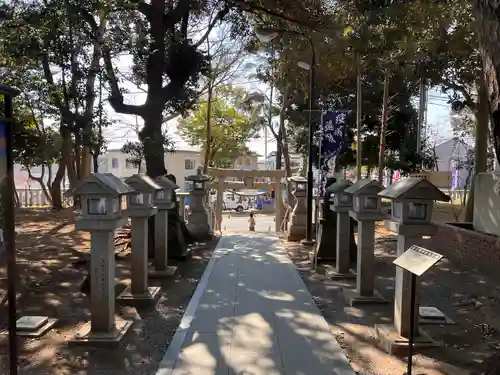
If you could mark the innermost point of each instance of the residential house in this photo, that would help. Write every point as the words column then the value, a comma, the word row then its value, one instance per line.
column 296, row 161
column 180, row 163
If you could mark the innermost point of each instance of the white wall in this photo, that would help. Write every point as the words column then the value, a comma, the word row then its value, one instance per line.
column 486, row 205
column 449, row 151
column 114, row 161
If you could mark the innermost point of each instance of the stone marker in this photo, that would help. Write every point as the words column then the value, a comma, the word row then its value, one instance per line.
column 32, row 326
column 101, row 215
column 411, row 214
column 163, row 200
column 296, row 228
column 198, row 215
column 140, row 209
column 366, row 210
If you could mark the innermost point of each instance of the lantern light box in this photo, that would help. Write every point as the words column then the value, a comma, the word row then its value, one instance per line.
column 299, row 183
column 337, row 193
column 100, row 194
column 144, row 188
column 164, row 198
column 413, row 200
column 366, row 202
column 199, row 179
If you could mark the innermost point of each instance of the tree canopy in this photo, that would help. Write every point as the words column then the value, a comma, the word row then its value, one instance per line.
column 233, row 125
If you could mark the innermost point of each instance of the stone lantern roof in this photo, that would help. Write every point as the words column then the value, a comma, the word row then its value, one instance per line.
column 198, row 177
column 414, row 188
column 365, row 187
column 142, row 183
column 100, row 183
column 338, row 186
column 166, row 183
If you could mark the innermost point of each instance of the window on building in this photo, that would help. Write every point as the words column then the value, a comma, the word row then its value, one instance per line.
column 114, row 163
column 188, row 164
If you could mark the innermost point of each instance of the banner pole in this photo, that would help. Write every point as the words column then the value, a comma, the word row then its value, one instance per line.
column 320, row 184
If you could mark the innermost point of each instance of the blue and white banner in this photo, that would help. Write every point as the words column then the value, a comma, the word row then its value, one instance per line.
column 332, row 141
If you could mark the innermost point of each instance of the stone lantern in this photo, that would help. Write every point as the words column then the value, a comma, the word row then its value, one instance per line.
column 140, row 208
column 296, row 228
column 342, row 204
column 101, row 215
column 412, row 202
column 366, row 210
column 163, row 200
column 198, row 215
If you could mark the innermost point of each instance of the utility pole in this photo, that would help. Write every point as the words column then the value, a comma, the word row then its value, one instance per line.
column 270, row 123
column 383, row 126
column 421, row 115
column 359, row 105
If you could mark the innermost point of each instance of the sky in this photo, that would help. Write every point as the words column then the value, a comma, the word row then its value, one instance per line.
column 438, row 116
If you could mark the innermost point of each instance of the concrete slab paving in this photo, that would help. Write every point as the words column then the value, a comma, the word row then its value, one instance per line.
column 252, row 314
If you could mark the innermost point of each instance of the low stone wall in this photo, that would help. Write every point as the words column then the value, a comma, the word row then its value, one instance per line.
column 474, row 250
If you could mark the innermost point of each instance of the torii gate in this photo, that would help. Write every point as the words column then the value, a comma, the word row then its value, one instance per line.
column 248, row 176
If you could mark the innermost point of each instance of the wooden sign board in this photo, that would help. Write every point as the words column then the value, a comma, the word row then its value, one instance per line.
column 417, row 260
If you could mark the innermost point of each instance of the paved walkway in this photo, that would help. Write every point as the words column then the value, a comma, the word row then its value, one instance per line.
column 251, row 314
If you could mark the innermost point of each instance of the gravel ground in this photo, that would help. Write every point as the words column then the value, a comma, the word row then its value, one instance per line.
column 471, row 300
column 49, row 285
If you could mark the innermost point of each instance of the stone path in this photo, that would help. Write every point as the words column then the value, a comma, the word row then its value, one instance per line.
column 251, row 314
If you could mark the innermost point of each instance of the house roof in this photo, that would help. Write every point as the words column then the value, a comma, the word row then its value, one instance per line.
column 106, row 183
column 364, row 186
column 414, row 188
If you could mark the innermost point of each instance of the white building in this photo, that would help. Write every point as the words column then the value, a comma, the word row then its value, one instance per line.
column 180, row 163
column 450, row 153
column 296, row 161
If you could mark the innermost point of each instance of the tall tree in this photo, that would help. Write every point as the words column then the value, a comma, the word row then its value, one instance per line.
column 166, row 58
column 54, row 38
column 232, row 126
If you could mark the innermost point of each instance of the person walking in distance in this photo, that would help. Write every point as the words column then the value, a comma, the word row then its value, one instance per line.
column 251, row 222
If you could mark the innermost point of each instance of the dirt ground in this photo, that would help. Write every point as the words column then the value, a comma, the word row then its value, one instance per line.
column 468, row 298
column 47, row 245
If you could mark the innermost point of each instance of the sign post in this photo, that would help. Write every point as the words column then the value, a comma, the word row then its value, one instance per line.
column 416, row 260
column 7, row 217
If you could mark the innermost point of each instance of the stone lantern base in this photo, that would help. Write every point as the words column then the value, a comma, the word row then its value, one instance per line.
column 296, row 228
column 393, row 343
column 85, row 338
column 149, row 298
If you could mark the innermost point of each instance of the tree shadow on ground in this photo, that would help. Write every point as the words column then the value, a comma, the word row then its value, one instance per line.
column 49, row 285
column 468, row 297
column 256, row 316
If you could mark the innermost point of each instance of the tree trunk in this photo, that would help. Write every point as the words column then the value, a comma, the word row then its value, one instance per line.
column 481, row 145
column 152, row 139
column 279, row 149
column 383, row 126
column 55, row 192
column 86, row 161
column 55, row 186
column 40, row 182
column 17, row 201
column 208, row 143
column 487, row 16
